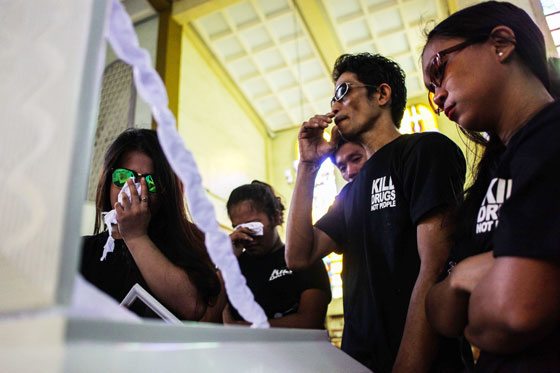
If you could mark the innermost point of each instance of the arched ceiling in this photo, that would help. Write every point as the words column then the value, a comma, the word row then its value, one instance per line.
column 279, row 53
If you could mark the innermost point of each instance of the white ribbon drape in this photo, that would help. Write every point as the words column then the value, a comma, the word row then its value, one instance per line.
column 122, row 37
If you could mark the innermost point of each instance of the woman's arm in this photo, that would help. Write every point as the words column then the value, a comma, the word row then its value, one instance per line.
column 516, row 304
column 446, row 308
column 311, row 312
column 214, row 311
column 448, row 301
column 169, row 283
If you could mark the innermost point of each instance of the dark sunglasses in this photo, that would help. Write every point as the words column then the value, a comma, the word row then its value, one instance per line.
column 343, row 88
column 121, row 175
column 436, row 69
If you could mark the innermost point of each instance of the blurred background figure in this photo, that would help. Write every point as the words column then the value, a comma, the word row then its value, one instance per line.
column 348, row 157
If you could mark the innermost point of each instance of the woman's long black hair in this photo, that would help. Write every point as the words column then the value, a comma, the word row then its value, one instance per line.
column 178, row 239
column 477, row 22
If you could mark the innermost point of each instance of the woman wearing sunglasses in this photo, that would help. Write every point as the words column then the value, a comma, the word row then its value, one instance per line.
column 486, row 69
column 155, row 244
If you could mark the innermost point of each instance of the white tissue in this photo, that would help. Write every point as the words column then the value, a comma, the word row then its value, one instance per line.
column 255, row 226
column 110, row 218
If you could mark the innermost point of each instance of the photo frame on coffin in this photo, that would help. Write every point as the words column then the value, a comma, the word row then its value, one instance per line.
column 138, row 294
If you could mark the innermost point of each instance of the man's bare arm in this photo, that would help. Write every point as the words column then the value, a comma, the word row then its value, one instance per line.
column 304, row 243
column 419, row 343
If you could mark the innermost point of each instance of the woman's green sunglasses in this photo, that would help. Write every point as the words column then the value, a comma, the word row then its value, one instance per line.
column 121, row 175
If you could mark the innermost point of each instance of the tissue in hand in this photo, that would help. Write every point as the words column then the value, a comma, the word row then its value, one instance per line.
column 110, row 218
column 255, row 226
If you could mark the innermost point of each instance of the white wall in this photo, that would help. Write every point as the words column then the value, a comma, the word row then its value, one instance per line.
column 227, row 146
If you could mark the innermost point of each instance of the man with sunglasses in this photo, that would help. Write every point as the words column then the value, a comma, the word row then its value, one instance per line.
column 390, row 222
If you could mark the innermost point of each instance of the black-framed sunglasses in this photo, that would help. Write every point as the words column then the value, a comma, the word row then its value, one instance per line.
column 121, row 175
column 343, row 88
column 436, row 69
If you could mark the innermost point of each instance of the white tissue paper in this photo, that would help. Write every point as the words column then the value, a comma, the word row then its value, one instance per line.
column 110, row 218
column 255, row 226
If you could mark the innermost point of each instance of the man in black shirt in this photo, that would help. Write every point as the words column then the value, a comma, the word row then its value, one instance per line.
column 390, row 222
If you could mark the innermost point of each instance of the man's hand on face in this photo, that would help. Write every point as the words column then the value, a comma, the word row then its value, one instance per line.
column 313, row 147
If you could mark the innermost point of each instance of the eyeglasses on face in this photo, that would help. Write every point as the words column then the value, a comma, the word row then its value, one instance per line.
column 121, row 175
column 343, row 88
column 436, row 70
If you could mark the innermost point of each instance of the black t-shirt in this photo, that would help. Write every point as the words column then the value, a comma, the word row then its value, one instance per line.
column 373, row 220
column 276, row 288
column 519, row 216
column 116, row 274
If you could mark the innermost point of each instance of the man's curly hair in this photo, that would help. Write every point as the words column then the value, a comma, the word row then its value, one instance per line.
column 374, row 69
